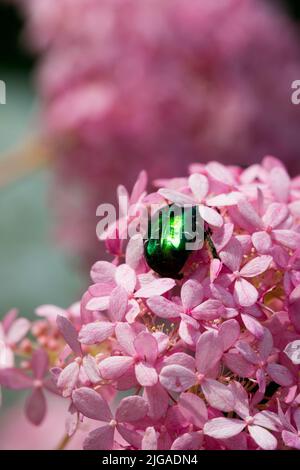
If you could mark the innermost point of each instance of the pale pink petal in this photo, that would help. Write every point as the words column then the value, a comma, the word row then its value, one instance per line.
column 287, row 238
column 115, row 366
column 18, row 330
column 139, row 187
column 50, row 312
column 224, row 200
column 265, row 345
column 125, row 276
column 208, row 310
column 275, row 214
column 39, row 363
column 68, row 378
column 163, row 307
column 222, row 236
column 253, row 325
column 35, row 406
column 91, row 369
column 220, row 173
column 292, row 350
column 262, row 437
column 181, row 359
column 177, row 378
column 118, row 304
column 214, row 269
column 91, row 404
column 229, row 333
column 146, row 375
column 247, row 352
column 98, row 303
column 100, row 439
column 133, row 310
column 149, row 441
column 279, row 181
column 188, row 441
column 156, row 287
column 146, row 347
column 291, row 440
column 191, row 294
column 199, row 186
column 131, row 409
column 134, row 251
column 211, row 216
column 249, row 214
column 96, row 332
column 256, row 266
column 262, row 242
column 209, row 351
column 69, row 333
column 241, row 403
column 218, row 395
column 232, row 255
column 280, row 374
column 176, row 197
column 103, row 271
column 223, row 428
column 158, row 400
column 245, row 293
column 193, row 409
column 237, row 364
column 9, row 318
column 126, row 335
column 268, row 419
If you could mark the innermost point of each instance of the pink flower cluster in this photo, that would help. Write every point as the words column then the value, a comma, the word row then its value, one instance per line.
column 162, row 82
column 209, row 361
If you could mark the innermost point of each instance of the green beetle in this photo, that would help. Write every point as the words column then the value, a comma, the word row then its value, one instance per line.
column 173, row 232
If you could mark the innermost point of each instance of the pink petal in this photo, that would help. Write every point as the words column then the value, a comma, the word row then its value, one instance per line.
column 191, row 294
column 50, row 312
column 262, row 437
column 220, row 173
column 237, row 364
column 223, row 428
column 199, row 186
column 211, row 216
column 115, row 366
column 280, row 183
column 96, row 332
column 269, row 420
column 133, row 437
column 9, row 318
column 91, row 404
column 218, row 395
column 146, row 347
column 126, row 335
column 209, row 351
column 14, row 379
column 103, row 271
column 265, row 345
column 69, row 333
column 176, row 197
column 177, row 378
column 126, row 277
column 39, row 363
column 292, row 350
column 208, row 310
column 287, row 238
column 291, row 440
column 193, row 409
column 135, row 251
column 232, row 255
column 249, row 214
column 245, row 293
column 241, row 405
column 188, row 441
column 247, row 352
column 118, row 304
column 150, row 439
column 68, row 378
column 131, row 409
column 139, row 187
column 98, row 303
column 18, row 330
column 91, row 369
column 275, row 214
column 181, row 359
column 224, row 200
column 262, row 242
column 35, row 406
column 156, row 287
column 100, row 439
column 163, row 307
column 256, row 266
column 146, row 375
column 222, row 236
column 229, row 333
column 253, row 326
column 158, row 400
column 280, row 374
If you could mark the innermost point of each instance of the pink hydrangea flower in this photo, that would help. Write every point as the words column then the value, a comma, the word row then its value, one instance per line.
column 208, row 359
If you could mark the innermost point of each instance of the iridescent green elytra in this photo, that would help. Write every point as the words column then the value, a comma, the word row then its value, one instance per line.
column 169, row 232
